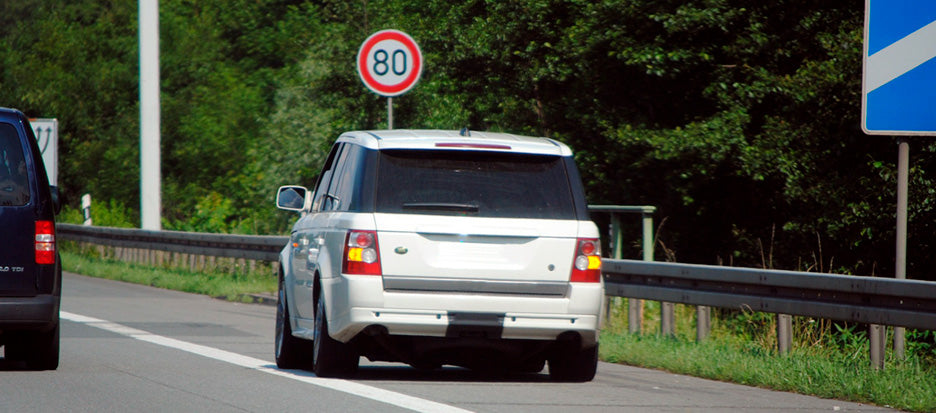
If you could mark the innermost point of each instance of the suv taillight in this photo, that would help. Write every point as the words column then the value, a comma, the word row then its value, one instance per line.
column 586, row 268
column 361, row 254
column 45, row 242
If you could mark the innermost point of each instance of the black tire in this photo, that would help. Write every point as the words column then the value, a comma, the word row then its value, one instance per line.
column 570, row 365
column 290, row 352
column 39, row 349
column 532, row 366
column 331, row 358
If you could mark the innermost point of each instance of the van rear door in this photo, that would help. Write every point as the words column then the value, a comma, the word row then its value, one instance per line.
column 17, row 218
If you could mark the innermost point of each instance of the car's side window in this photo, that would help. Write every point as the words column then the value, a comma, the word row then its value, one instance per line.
column 335, row 199
column 343, row 184
column 325, row 178
column 14, row 182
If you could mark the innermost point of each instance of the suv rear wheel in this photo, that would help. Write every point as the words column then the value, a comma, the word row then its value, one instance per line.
column 574, row 365
column 331, row 358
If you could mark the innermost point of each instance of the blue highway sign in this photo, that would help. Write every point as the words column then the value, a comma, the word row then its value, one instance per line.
column 899, row 83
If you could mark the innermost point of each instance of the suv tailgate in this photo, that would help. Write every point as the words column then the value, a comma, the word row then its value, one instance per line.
column 468, row 254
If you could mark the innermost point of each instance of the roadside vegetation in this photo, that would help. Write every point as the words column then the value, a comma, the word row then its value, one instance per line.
column 226, row 281
column 828, row 360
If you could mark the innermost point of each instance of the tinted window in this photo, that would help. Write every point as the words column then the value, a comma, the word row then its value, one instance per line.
column 333, row 200
column 14, row 185
column 473, row 183
column 346, row 185
column 324, row 179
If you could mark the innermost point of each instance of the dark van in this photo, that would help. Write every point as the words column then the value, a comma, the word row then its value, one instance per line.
column 30, row 271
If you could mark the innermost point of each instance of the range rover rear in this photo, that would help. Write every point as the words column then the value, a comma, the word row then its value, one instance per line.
column 440, row 247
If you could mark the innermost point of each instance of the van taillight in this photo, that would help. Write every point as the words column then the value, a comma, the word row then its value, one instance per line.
column 361, row 254
column 45, row 242
column 586, row 268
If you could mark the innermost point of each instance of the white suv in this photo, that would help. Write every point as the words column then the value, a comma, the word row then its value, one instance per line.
column 441, row 247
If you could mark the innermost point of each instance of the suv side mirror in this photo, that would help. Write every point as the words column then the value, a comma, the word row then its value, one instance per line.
column 291, row 198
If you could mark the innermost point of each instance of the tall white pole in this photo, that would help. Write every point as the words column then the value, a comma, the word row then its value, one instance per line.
column 150, row 174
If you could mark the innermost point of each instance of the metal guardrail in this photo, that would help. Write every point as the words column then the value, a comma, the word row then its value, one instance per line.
column 251, row 247
column 886, row 301
column 877, row 301
column 907, row 303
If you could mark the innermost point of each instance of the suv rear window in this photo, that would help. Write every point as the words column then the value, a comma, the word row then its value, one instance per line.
column 14, row 186
column 473, row 183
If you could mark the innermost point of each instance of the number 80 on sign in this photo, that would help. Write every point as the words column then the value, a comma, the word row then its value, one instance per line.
column 389, row 63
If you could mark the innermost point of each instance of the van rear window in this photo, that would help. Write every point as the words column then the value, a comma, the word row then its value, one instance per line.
column 473, row 183
column 14, row 185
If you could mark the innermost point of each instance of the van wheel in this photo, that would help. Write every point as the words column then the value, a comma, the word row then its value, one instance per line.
column 571, row 365
column 531, row 366
column 40, row 350
column 331, row 358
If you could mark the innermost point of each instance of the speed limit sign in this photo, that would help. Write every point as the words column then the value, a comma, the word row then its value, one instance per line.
column 389, row 63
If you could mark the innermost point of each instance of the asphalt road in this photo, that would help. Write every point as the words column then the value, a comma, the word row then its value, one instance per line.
column 127, row 347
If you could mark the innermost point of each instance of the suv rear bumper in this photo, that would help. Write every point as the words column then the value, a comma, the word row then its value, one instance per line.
column 491, row 325
column 29, row 313
column 356, row 302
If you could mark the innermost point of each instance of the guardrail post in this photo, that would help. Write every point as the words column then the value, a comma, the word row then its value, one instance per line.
column 876, row 338
column 703, row 322
column 784, row 333
column 634, row 318
column 667, row 325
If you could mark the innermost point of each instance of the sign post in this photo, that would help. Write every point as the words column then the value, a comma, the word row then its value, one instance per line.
column 389, row 63
column 898, row 98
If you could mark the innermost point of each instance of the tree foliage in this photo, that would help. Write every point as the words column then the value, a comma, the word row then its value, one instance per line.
column 738, row 119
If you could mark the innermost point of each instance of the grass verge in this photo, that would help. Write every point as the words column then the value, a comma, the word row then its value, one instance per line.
column 908, row 384
column 231, row 286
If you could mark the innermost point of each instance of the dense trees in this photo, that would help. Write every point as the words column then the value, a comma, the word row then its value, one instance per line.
column 738, row 119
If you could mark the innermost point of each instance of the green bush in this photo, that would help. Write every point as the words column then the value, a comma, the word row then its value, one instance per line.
column 110, row 213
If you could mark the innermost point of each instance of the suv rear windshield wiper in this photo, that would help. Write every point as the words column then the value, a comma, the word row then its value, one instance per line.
column 439, row 206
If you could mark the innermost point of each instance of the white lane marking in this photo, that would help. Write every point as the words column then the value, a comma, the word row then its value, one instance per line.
column 350, row 387
column 901, row 57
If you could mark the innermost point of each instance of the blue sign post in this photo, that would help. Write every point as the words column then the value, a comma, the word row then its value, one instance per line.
column 899, row 83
